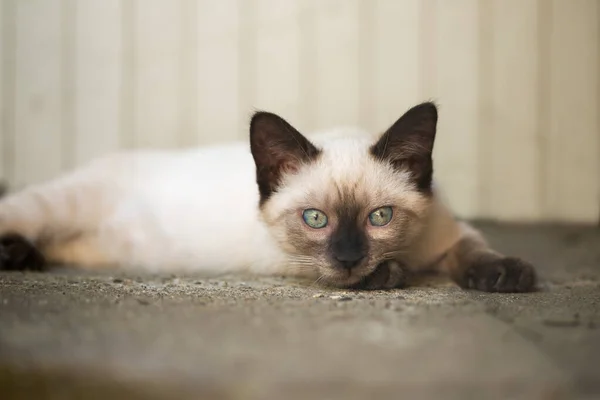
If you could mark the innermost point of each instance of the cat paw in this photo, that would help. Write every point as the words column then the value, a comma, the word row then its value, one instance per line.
column 387, row 275
column 502, row 274
column 18, row 254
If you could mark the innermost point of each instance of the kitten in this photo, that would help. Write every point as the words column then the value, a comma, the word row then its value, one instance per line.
column 344, row 208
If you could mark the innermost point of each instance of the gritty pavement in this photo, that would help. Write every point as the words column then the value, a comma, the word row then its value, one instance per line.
column 68, row 334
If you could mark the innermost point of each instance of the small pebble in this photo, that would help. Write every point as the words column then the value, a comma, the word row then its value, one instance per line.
column 318, row 295
column 117, row 280
column 143, row 302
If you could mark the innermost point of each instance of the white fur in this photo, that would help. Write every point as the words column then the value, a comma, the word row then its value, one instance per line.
column 188, row 210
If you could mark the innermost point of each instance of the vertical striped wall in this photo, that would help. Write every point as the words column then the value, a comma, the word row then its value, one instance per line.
column 517, row 82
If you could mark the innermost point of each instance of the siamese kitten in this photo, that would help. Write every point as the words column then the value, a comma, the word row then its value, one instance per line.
column 345, row 208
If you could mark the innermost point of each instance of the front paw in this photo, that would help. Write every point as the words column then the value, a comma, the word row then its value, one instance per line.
column 18, row 254
column 387, row 275
column 501, row 274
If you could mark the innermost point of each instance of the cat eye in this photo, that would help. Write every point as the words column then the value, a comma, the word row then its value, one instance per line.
column 382, row 216
column 314, row 218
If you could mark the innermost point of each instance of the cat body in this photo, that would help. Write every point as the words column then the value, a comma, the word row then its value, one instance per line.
column 164, row 211
column 345, row 207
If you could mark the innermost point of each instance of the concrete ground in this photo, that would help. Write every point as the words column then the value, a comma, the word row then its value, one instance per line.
column 76, row 335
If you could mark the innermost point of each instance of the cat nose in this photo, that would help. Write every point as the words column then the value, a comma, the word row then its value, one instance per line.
column 349, row 261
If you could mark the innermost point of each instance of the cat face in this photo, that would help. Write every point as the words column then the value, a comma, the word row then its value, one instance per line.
column 340, row 208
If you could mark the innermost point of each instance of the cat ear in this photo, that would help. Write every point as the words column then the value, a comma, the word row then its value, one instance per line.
column 408, row 144
column 277, row 148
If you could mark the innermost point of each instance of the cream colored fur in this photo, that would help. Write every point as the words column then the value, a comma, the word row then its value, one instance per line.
column 197, row 210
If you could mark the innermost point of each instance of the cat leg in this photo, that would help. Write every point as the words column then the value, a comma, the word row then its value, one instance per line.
column 472, row 264
column 45, row 214
column 21, row 225
column 85, row 252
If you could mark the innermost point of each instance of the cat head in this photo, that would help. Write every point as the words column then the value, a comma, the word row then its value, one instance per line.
column 340, row 208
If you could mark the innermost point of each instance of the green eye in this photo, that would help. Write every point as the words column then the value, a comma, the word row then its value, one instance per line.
column 315, row 218
column 382, row 216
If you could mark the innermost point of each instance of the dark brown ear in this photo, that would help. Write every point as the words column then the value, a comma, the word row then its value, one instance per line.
column 408, row 144
column 277, row 148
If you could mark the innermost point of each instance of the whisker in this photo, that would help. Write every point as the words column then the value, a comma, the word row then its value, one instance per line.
column 317, row 281
column 390, row 254
column 301, row 258
column 302, row 264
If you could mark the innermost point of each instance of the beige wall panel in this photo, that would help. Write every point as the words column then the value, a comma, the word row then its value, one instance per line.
column 336, row 58
column 38, row 108
column 98, row 78
column 278, row 59
column 218, row 80
column 455, row 84
column 572, row 190
column 158, row 45
column 4, row 91
column 509, row 134
column 396, row 71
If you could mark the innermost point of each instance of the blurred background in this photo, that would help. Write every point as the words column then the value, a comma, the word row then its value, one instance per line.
column 517, row 82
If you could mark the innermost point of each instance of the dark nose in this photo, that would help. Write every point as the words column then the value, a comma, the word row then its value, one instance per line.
column 349, row 261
